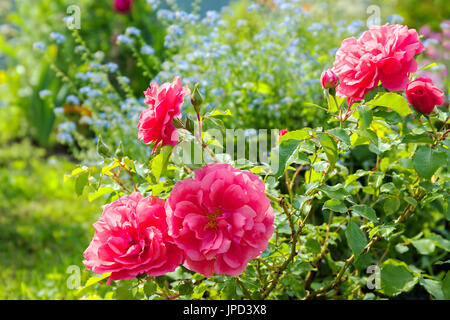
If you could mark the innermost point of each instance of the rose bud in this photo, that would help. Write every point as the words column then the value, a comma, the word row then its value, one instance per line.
column 329, row 79
column 423, row 95
column 122, row 6
column 282, row 132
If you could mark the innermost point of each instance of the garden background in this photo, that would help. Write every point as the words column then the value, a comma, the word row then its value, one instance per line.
column 231, row 49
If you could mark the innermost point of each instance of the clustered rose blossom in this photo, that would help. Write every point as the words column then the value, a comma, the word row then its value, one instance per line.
column 155, row 123
column 423, row 95
column 329, row 79
column 221, row 219
column 123, row 6
column 382, row 53
column 214, row 223
column 131, row 238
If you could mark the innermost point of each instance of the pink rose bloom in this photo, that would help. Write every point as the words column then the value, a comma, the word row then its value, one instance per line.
column 122, row 6
column 423, row 95
column 131, row 238
column 221, row 219
column 155, row 123
column 382, row 53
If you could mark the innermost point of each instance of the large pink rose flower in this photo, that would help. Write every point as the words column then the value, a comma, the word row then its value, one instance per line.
column 382, row 53
column 131, row 238
column 221, row 219
column 155, row 123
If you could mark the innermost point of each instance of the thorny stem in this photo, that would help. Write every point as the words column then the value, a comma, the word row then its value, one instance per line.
column 277, row 273
column 403, row 217
column 244, row 289
column 116, row 179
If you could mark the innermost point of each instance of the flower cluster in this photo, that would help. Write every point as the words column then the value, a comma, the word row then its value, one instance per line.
column 215, row 222
column 383, row 54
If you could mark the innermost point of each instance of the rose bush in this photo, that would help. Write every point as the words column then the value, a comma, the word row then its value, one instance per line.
column 320, row 204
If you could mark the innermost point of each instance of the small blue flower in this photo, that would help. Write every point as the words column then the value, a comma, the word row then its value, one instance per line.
column 253, row 7
column 86, row 120
column 80, row 49
column 95, row 65
column 123, row 39
column 73, row 99
column 57, row 37
column 58, row 110
column 165, row 14
column 67, row 126
column 64, row 137
column 85, row 90
column 112, row 67
column 99, row 55
column 39, row 46
column 395, row 19
column 147, row 50
column 124, row 79
column 133, row 31
column 44, row 93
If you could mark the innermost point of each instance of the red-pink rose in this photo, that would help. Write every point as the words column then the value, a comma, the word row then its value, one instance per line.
column 155, row 123
column 423, row 95
column 131, row 238
column 221, row 219
column 123, row 6
column 382, row 53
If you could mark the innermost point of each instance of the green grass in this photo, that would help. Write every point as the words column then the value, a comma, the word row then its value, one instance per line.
column 44, row 226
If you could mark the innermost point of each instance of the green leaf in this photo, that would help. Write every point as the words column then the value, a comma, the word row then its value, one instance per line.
column 396, row 277
column 150, row 288
column 80, row 182
column 216, row 113
column 391, row 205
column 393, row 101
column 356, row 239
column 342, row 135
column 186, row 288
column 263, row 88
column 424, row 246
column 427, row 160
column 301, row 134
column 365, row 117
column 100, row 192
column 330, row 148
column 417, row 138
column 446, row 286
column 336, row 192
column 335, row 205
column 94, row 279
column 312, row 245
column 365, row 211
column 282, row 154
column 433, row 287
column 159, row 163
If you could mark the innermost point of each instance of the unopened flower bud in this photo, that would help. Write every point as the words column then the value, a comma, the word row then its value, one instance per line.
column 329, row 79
column 102, row 148
column 196, row 99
